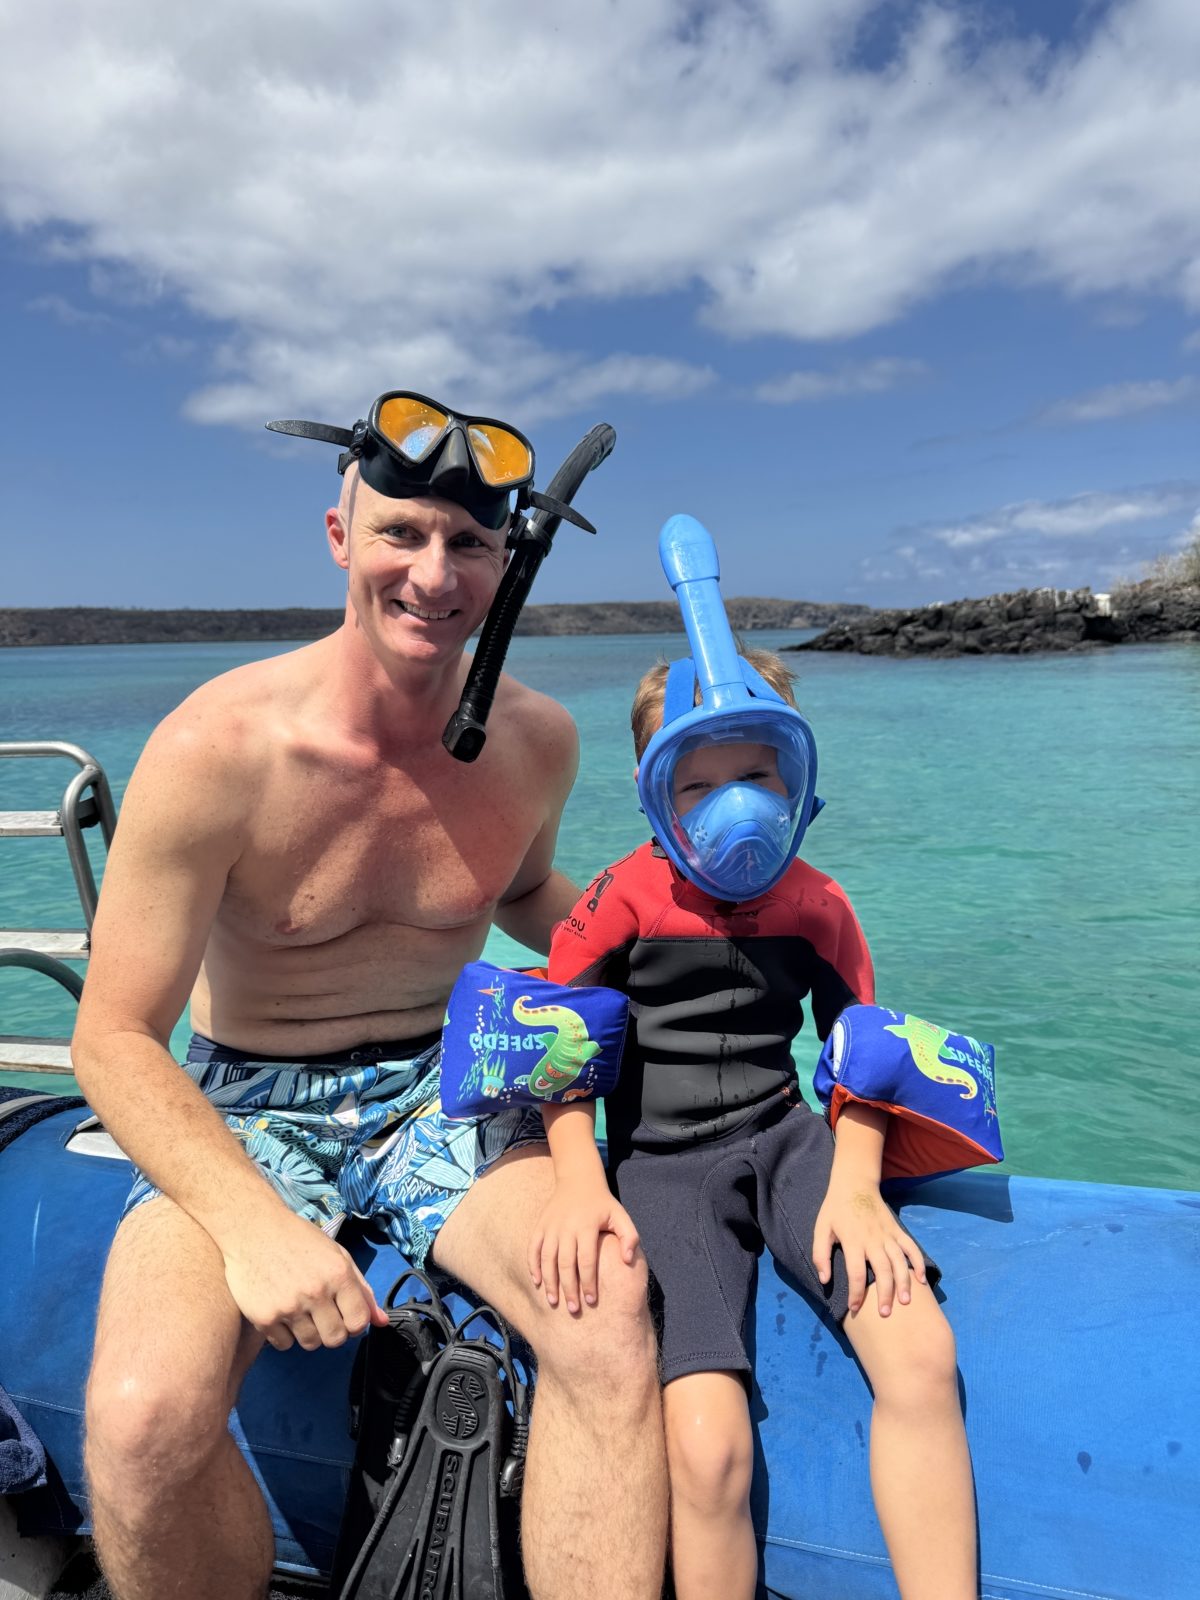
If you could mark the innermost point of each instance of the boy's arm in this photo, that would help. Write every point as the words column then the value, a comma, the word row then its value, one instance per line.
column 855, row 1215
column 844, row 974
column 564, row 1248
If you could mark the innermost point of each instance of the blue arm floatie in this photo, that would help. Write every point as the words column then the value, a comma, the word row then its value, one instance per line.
column 938, row 1086
column 511, row 1038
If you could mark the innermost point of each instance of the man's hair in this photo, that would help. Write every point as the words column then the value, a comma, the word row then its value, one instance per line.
column 646, row 716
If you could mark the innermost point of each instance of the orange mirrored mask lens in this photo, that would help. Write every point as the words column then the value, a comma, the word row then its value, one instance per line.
column 412, row 425
column 500, row 456
column 415, row 427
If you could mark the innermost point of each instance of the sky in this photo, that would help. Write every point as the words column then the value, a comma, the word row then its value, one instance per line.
column 901, row 299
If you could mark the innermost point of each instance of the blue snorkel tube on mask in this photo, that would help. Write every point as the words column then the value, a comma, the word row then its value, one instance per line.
column 740, row 839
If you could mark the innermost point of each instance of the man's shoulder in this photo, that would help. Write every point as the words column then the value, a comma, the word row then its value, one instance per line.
column 525, row 705
column 535, row 724
column 222, row 731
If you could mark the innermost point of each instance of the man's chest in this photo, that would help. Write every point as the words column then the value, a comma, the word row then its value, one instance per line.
column 335, row 856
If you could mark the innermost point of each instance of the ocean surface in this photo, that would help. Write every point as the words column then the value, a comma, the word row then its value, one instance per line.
column 1019, row 838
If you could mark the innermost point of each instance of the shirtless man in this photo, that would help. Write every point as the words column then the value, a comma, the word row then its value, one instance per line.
column 298, row 851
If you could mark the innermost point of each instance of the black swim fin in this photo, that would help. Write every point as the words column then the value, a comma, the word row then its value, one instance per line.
column 442, row 1425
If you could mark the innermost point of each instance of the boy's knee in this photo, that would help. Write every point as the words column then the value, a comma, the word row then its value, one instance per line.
column 711, row 1465
column 924, row 1373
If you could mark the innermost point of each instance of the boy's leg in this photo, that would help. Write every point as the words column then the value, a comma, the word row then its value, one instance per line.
column 594, row 1507
column 175, row 1507
column 920, row 1466
column 710, row 1455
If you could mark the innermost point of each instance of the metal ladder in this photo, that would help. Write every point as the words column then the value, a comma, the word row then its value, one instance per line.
column 87, row 802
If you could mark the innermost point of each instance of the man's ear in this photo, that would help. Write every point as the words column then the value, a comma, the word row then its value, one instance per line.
column 636, row 770
column 339, row 542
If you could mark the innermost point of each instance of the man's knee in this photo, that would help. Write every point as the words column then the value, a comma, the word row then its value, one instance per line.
column 610, row 1344
column 149, row 1432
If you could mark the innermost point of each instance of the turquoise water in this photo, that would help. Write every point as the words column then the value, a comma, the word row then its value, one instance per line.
column 1018, row 837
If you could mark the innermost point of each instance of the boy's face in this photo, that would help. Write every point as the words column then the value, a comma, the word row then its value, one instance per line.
column 711, row 765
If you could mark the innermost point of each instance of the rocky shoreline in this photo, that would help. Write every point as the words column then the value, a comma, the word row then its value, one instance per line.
column 1022, row 623
column 91, row 625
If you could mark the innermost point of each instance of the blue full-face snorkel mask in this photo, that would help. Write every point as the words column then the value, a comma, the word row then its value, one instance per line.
column 741, row 838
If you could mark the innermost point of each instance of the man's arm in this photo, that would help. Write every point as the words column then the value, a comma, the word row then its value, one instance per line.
column 540, row 895
column 178, row 838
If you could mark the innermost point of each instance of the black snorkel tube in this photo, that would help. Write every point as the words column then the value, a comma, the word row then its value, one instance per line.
column 466, row 732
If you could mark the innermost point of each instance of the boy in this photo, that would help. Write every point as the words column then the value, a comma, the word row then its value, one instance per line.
column 712, row 1154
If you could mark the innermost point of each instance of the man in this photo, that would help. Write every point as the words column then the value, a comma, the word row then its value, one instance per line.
column 298, row 851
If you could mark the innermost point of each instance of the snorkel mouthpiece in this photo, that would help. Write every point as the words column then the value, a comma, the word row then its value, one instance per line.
column 739, row 840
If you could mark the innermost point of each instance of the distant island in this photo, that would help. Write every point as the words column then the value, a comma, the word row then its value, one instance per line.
column 91, row 625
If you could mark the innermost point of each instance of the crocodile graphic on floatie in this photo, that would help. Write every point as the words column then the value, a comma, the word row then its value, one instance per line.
column 926, row 1044
column 568, row 1049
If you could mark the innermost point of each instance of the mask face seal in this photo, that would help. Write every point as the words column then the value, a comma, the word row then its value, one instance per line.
column 733, row 839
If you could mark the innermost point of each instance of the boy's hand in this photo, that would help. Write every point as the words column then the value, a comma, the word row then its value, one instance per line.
column 853, row 1214
column 564, row 1250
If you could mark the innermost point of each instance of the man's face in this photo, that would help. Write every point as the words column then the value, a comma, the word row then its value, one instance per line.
column 422, row 572
column 712, row 765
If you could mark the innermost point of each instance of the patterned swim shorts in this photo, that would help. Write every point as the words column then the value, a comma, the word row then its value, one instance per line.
column 360, row 1133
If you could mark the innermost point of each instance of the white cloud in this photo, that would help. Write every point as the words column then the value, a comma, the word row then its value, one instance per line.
column 1122, row 400
column 1120, row 316
column 866, row 377
column 1078, row 517
column 353, row 196
column 1084, row 538
column 67, row 312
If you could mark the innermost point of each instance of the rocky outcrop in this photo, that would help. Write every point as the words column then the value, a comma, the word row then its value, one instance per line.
column 63, row 625
column 1021, row 623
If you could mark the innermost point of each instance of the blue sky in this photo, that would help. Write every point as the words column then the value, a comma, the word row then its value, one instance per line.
column 903, row 300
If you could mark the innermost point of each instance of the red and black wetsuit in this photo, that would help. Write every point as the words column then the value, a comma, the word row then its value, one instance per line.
column 715, row 990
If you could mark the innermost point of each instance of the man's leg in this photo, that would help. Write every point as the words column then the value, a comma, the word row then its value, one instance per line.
column 176, row 1509
column 594, row 1514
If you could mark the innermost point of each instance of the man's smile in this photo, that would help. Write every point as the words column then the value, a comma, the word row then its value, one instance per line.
column 425, row 613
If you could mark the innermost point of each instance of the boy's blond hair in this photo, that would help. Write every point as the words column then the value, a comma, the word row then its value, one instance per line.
column 646, row 715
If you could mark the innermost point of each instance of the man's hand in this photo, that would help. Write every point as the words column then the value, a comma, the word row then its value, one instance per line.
column 853, row 1214
column 296, row 1285
column 564, row 1249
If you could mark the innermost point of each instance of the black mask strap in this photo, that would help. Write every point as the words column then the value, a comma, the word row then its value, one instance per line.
column 314, row 430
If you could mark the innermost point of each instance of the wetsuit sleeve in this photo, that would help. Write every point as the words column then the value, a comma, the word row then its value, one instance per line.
column 846, row 977
column 592, row 945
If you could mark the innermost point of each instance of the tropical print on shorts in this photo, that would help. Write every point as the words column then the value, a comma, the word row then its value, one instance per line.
column 369, row 1141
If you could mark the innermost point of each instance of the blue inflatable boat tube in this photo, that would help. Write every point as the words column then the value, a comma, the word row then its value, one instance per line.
column 1074, row 1307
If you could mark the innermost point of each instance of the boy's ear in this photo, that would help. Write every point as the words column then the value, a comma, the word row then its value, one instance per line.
column 636, row 770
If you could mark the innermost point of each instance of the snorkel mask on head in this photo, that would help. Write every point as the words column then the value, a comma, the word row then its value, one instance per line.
column 740, row 839
column 410, row 446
